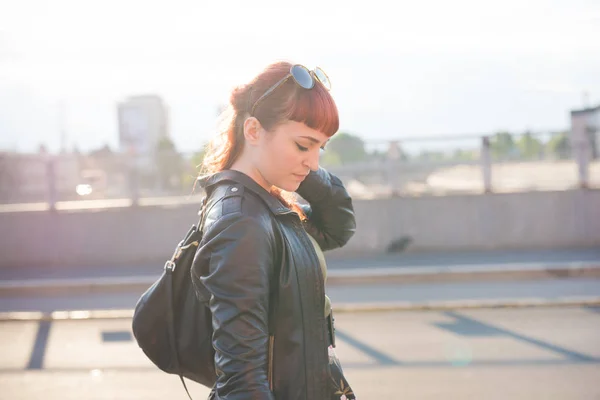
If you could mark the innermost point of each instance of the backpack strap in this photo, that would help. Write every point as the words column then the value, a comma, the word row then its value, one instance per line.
column 171, row 327
column 185, row 387
column 171, row 317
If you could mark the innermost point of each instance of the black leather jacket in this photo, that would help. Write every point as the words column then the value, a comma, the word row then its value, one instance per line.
column 260, row 270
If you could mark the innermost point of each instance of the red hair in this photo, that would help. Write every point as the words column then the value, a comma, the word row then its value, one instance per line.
column 289, row 102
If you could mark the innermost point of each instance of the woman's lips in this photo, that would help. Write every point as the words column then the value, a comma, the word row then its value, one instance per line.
column 300, row 177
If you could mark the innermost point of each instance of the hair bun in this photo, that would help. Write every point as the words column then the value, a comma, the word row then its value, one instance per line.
column 240, row 98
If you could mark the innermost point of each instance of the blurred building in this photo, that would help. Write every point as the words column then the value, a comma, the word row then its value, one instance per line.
column 585, row 128
column 29, row 177
column 143, row 122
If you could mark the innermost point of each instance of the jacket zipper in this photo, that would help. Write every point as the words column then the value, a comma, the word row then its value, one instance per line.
column 303, row 235
column 270, row 367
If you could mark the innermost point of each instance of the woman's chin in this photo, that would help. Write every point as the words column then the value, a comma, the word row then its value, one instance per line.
column 289, row 186
column 292, row 187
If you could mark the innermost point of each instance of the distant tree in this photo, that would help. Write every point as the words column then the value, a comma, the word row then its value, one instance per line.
column 198, row 158
column 465, row 155
column 502, row 145
column 530, row 147
column 101, row 152
column 169, row 164
column 559, row 145
column 165, row 144
column 377, row 155
column 347, row 147
column 427, row 155
column 100, row 158
column 330, row 159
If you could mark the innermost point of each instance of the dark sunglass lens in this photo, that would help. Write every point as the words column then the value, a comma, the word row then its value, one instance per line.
column 302, row 76
column 323, row 78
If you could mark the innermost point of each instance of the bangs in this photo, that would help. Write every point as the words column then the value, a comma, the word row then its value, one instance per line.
column 315, row 108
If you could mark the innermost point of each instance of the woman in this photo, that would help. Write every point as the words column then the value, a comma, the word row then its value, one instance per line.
column 260, row 261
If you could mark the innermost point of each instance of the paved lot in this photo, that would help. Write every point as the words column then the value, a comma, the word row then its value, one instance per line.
column 393, row 260
column 537, row 353
column 548, row 290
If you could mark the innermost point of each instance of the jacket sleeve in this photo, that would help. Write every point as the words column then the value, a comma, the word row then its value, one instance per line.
column 330, row 214
column 241, row 261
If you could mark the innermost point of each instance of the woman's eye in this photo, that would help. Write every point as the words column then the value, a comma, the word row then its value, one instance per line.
column 302, row 148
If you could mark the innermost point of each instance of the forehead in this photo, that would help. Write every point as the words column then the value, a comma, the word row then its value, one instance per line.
column 298, row 129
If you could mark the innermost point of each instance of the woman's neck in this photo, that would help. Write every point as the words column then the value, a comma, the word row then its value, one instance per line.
column 249, row 169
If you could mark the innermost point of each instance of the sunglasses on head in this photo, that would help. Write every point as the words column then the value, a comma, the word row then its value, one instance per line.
column 304, row 77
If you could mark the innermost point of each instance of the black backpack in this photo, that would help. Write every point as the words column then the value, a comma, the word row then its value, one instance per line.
column 171, row 324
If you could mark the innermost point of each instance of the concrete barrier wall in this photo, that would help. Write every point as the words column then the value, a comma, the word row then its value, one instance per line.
column 532, row 220
column 470, row 222
column 104, row 237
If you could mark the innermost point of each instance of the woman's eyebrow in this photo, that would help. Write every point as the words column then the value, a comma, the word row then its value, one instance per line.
column 312, row 139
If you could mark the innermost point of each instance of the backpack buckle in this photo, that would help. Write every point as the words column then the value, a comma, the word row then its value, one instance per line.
column 170, row 266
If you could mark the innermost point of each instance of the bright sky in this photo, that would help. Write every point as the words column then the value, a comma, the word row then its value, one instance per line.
column 398, row 69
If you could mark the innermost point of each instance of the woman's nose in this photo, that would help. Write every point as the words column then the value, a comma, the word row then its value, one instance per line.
column 312, row 161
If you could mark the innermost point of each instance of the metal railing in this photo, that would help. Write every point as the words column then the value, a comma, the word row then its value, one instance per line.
column 378, row 168
column 472, row 164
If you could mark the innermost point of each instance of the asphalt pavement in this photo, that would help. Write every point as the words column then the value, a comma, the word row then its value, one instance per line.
column 462, row 353
column 517, row 354
column 548, row 257
column 341, row 296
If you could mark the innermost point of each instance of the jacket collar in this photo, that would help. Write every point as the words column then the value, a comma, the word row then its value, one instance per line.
column 237, row 177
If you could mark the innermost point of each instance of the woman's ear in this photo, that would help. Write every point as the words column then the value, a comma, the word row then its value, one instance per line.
column 252, row 130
